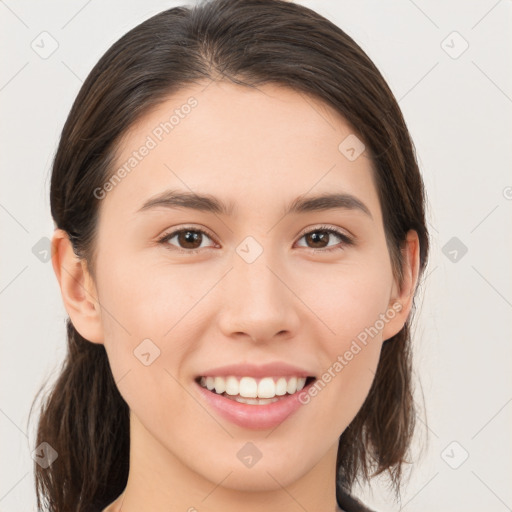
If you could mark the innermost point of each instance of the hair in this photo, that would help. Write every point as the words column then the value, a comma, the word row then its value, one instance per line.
column 249, row 43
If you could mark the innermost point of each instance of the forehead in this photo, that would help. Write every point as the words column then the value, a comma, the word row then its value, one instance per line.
column 268, row 144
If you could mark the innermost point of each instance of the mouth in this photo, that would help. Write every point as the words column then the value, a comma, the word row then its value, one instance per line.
column 253, row 403
column 254, row 391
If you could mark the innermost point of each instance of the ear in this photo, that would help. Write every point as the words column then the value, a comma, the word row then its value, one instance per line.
column 401, row 299
column 77, row 288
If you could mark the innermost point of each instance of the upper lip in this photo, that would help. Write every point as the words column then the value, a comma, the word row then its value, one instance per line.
column 277, row 369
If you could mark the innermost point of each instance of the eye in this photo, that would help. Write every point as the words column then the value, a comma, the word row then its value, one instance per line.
column 322, row 235
column 190, row 239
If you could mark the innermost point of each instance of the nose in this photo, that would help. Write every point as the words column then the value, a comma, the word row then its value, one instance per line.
column 258, row 301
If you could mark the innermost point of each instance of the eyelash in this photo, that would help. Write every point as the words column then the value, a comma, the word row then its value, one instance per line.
column 346, row 241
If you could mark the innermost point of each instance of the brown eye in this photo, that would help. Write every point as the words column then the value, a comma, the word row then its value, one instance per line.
column 319, row 238
column 187, row 240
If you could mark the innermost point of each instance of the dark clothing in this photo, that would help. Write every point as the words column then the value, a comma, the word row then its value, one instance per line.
column 348, row 503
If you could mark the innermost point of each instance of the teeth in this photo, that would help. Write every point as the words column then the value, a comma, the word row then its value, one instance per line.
column 231, row 386
column 291, row 385
column 266, row 388
column 250, row 388
column 281, row 386
column 210, row 383
column 254, row 401
column 219, row 385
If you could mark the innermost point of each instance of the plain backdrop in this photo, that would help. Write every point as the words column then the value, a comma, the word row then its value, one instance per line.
column 448, row 64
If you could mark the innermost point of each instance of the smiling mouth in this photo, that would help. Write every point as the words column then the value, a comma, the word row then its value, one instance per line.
column 254, row 391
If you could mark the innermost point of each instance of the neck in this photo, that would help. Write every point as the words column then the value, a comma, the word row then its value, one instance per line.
column 158, row 481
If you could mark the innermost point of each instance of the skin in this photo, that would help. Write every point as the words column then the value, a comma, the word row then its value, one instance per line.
column 260, row 149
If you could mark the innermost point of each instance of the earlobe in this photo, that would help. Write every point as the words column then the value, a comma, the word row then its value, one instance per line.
column 404, row 295
column 77, row 288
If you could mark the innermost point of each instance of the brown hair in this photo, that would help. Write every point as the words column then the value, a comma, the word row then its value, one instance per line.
column 248, row 42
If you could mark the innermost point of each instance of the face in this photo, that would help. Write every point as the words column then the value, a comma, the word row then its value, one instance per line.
column 186, row 289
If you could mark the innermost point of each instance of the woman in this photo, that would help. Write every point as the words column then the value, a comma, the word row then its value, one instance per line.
column 240, row 233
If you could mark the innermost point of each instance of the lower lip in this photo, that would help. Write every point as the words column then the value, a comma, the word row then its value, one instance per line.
column 256, row 417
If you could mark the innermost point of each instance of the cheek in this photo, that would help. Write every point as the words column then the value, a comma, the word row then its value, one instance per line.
column 148, row 317
column 348, row 300
column 147, row 299
column 144, row 338
column 351, row 304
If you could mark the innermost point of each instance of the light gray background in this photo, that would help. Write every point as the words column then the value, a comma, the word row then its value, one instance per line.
column 458, row 109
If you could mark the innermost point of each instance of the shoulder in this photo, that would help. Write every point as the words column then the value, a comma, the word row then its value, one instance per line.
column 350, row 504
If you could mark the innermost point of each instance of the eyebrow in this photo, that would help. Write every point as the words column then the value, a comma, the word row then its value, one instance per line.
column 208, row 203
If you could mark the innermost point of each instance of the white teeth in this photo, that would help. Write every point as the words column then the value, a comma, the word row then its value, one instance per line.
column 266, row 388
column 291, row 385
column 254, row 401
column 220, row 385
column 210, row 383
column 281, row 386
column 232, row 386
column 250, row 388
